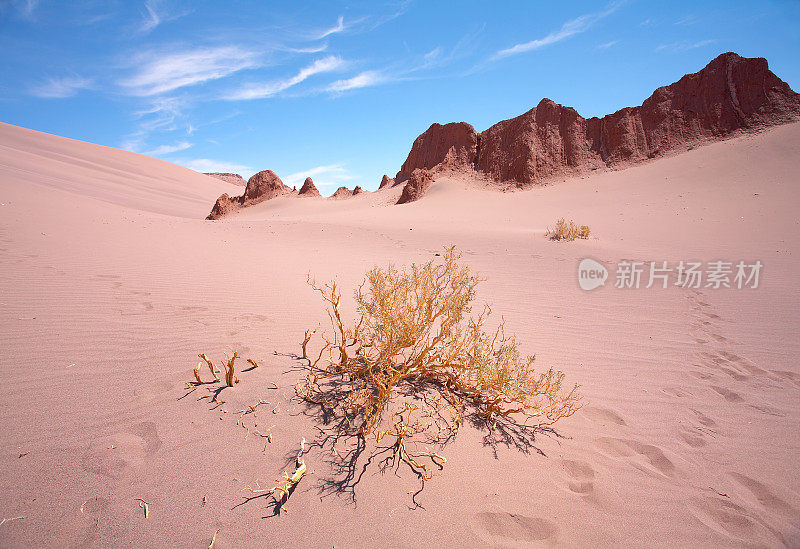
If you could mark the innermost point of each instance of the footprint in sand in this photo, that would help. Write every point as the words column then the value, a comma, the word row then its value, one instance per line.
column 581, row 476
column 732, row 521
column 504, row 527
column 617, row 447
column 704, row 419
column 148, row 432
column 763, row 494
column 693, row 438
column 730, row 396
column 794, row 377
column 603, row 414
column 676, row 392
column 695, row 435
column 112, row 457
column 92, row 507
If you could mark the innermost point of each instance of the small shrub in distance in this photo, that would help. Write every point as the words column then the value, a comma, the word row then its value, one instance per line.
column 416, row 361
column 568, row 230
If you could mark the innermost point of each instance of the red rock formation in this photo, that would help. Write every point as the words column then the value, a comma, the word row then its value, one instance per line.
column 357, row 190
column 342, row 192
column 264, row 185
column 233, row 178
column 730, row 94
column 308, row 188
column 417, row 185
column 224, row 205
column 386, row 181
column 450, row 145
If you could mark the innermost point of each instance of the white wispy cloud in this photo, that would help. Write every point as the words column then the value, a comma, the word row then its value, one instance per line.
column 339, row 27
column 333, row 175
column 568, row 29
column 686, row 45
column 690, row 19
column 313, row 49
column 157, row 12
column 205, row 165
column 362, row 80
column 157, row 72
column 268, row 89
column 168, row 149
column 606, row 45
column 25, row 8
column 161, row 114
column 61, row 87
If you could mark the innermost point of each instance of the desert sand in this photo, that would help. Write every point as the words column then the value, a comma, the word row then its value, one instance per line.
column 111, row 283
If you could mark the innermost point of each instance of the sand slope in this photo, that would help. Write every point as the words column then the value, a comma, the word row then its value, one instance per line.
column 119, row 177
column 689, row 433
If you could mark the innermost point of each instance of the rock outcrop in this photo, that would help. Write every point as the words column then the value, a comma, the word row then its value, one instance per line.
column 264, row 185
column 233, row 178
column 357, row 190
column 731, row 94
column 308, row 188
column 416, row 186
column 386, row 181
column 449, row 145
column 342, row 192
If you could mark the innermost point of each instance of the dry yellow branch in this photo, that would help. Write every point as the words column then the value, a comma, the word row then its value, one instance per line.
column 308, row 335
column 213, row 539
column 253, row 362
column 289, row 481
column 230, row 379
column 144, row 505
column 210, row 365
column 197, row 373
column 568, row 230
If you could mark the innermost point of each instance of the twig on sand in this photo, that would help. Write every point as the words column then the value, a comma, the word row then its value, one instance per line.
column 288, row 481
column 144, row 505
column 249, row 410
column 3, row 521
column 213, row 539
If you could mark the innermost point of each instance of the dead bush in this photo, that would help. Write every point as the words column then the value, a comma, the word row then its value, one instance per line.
column 415, row 339
column 568, row 230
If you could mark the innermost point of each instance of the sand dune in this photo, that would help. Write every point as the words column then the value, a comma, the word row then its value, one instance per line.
column 119, row 177
column 688, row 436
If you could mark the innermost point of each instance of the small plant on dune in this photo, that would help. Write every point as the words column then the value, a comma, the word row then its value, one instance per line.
column 416, row 360
column 210, row 366
column 228, row 364
column 568, row 230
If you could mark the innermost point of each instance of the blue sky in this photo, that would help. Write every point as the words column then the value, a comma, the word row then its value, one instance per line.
column 339, row 90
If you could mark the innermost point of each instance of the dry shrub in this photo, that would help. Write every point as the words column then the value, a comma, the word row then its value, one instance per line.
column 568, row 230
column 230, row 378
column 416, row 341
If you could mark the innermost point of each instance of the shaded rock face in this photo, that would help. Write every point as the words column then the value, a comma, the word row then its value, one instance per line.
column 730, row 94
column 450, row 145
column 342, row 192
column 308, row 188
column 386, row 181
column 233, row 178
column 223, row 206
column 416, row 186
column 357, row 190
column 264, row 185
